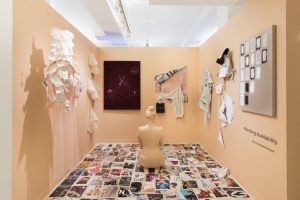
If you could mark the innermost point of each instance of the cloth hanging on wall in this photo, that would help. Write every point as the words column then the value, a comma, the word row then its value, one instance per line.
column 93, row 64
column 167, row 82
column 205, row 99
column 93, row 121
column 177, row 98
column 160, row 78
column 62, row 78
column 226, row 111
column 220, row 138
column 225, row 61
column 92, row 90
column 220, row 86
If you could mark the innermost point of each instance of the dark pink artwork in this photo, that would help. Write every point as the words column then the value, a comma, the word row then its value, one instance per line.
column 122, row 85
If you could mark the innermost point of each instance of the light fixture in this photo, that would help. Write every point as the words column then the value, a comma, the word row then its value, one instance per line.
column 123, row 22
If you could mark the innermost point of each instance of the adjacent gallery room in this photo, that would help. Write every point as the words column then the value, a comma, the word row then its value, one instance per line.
column 151, row 100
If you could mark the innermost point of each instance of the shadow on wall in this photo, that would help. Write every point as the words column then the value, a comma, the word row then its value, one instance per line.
column 36, row 146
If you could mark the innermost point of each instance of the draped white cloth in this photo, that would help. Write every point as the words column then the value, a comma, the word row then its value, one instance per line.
column 205, row 99
column 177, row 98
column 226, row 111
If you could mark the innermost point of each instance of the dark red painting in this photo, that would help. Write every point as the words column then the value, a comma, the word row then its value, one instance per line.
column 122, row 88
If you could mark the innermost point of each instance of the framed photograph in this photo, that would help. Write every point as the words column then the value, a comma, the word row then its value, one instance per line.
column 252, row 73
column 122, row 85
column 247, row 61
column 264, row 56
column 242, row 49
column 258, row 42
column 247, row 47
column 252, row 59
column 265, row 40
column 258, row 57
column 257, row 72
column 242, row 61
column 252, row 45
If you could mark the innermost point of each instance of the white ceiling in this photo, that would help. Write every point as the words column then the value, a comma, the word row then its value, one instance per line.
column 154, row 23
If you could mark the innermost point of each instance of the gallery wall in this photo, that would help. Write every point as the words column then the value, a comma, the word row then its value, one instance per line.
column 46, row 145
column 121, row 126
column 43, row 151
column 261, row 171
column 293, row 98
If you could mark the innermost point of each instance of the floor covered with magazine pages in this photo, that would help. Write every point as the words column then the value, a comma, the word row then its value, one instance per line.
column 110, row 171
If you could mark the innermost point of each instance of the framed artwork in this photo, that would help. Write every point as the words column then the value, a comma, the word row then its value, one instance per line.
column 258, row 73
column 122, row 90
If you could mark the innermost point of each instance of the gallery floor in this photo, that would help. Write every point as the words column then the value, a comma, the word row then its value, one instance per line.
column 110, row 171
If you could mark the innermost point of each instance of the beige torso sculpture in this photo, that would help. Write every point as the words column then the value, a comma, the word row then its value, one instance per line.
column 150, row 138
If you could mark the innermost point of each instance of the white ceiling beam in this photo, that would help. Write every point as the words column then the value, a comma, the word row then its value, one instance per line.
column 193, row 2
column 77, row 15
column 101, row 12
column 223, row 15
column 194, row 26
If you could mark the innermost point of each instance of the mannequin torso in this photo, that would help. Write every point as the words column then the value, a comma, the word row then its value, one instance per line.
column 150, row 138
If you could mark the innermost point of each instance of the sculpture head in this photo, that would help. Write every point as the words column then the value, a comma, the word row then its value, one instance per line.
column 150, row 113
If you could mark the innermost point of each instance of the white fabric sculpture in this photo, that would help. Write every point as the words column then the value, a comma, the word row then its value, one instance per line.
column 220, row 138
column 226, row 69
column 93, row 121
column 92, row 90
column 177, row 98
column 93, row 94
column 205, row 99
column 93, row 64
column 226, row 111
column 220, row 87
column 61, row 76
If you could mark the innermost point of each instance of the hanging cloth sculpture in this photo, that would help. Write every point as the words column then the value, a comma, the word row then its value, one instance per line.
column 93, row 94
column 93, row 64
column 226, row 111
column 205, row 99
column 220, row 86
column 172, row 86
column 225, row 61
column 61, row 76
column 226, row 108
column 177, row 98
column 165, row 82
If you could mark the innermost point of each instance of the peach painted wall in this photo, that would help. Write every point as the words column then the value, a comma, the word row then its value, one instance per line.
column 293, row 98
column 121, row 126
column 43, row 141
column 262, row 172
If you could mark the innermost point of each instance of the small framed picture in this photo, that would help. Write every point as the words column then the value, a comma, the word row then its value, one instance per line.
column 251, row 87
column 264, row 57
column 257, row 72
column 258, row 42
column 242, row 62
column 247, row 87
column 242, row 100
column 258, row 57
column 265, row 40
column 242, row 49
column 247, row 47
column 252, row 59
column 242, row 75
column 247, row 74
column 242, row 88
column 252, row 73
column 252, row 45
column 247, row 61
column 246, row 102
